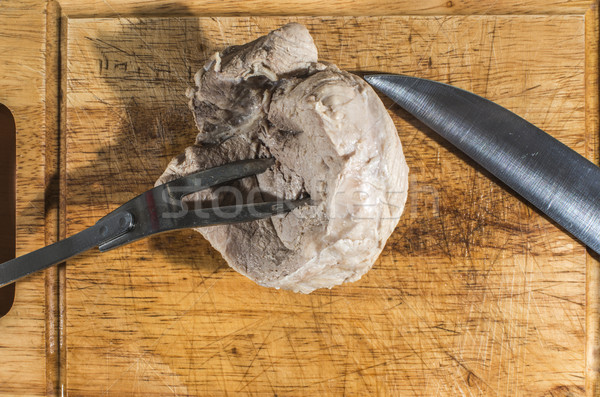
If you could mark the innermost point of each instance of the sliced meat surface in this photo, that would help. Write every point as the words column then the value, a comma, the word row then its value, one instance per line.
column 332, row 139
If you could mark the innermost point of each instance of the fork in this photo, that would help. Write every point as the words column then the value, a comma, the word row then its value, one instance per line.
column 157, row 210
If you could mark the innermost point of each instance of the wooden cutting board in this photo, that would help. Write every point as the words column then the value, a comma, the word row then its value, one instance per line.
column 475, row 293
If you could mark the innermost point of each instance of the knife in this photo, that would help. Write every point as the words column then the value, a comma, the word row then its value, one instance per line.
column 552, row 177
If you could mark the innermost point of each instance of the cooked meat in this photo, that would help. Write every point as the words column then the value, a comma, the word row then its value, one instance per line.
column 332, row 139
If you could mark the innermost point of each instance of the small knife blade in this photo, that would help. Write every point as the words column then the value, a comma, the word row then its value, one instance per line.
column 554, row 178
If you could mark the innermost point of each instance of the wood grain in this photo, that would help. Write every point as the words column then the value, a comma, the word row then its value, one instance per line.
column 22, row 82
column 593, row 268
column 121, row 8
column 475, row 293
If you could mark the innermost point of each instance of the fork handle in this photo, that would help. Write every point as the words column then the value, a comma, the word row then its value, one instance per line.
column 111, row 226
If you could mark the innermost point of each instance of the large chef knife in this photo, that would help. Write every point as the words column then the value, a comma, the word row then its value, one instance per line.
column 554, row 178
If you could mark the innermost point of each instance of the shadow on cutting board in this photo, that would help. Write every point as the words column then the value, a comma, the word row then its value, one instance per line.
column 417, row 124
column 149, row 132
column 144, row 67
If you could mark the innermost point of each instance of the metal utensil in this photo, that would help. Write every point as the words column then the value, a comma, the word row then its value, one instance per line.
column 158, row 210
column 554, row 178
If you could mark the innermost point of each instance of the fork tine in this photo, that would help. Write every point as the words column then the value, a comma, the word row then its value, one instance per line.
column 181, row 187
column 161, row 209
column 212, row 216
column 241, row 213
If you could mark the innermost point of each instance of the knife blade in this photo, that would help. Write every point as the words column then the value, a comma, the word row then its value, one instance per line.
column 554, row 178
